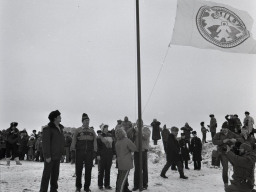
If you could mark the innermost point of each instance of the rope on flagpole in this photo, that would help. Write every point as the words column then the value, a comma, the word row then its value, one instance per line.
column 163, row 62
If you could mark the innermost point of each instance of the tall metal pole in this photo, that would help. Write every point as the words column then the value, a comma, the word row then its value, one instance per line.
column 139, row 93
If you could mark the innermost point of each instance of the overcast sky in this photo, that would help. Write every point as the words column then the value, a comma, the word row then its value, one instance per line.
column 79, row 56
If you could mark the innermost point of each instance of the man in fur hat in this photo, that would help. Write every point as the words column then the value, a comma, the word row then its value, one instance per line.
column 84, row 142
column 12, row 144
column 53, row 146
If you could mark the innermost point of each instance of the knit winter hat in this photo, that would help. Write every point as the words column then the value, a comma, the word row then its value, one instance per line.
column 246, row 147
column 225, row 125
column 53, row 115
column 102, row 126
column 84, row 116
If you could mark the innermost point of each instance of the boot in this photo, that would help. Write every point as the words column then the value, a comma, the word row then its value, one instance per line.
column 182, row 176
column 17, row 161
column 8, row 161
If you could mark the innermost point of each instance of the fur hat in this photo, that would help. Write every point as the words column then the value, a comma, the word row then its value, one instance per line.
column 194, row 133
column 236, row 115
column 53, row 115
column 246, row 146
column 202, row 123
column 84, row 116
column 225, row 125
column 211, row 115
column 14, row 124
column 246, row 113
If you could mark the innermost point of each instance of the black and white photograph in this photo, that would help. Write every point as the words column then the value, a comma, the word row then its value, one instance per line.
column 121, row 96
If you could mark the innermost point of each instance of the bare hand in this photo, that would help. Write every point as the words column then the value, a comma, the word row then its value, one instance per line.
column 225, row 140
column 228, row 148
column 233, row 140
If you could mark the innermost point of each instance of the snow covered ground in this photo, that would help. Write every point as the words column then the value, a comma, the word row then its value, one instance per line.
column 27, row 177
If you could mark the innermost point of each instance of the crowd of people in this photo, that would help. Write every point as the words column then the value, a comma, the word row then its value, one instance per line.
column 235, row 144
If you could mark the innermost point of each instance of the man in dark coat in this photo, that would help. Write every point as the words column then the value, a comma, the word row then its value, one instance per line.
column 238, row 124
column 184, row 150
column 53, row 146
column 196, row 150
column 213, row 125
column 231, row 123
column 156, row 131
column 12, row 144
column 187, row 131
column 165, row 134
column 243, row 169
column 173, row 154
column 222, row 140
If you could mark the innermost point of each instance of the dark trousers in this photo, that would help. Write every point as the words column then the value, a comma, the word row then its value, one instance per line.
column 185, row 164
column 104, row 171
column 197, row 165
column 73, row 157
column 51, row 171
column 213, row 133
column 2, row 153
column 136, row 180
column 12, row 150
column 224, row 163
column 204, row 138
column 122, row 181
column 155, row 142
column 83, row 158
column 169, row 164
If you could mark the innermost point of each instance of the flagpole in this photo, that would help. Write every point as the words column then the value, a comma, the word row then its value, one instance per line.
column 139, row 94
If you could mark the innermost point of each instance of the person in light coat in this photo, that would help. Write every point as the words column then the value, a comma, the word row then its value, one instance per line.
column 124, row 149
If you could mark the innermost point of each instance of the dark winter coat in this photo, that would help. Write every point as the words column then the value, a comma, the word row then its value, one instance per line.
column 184, row 149
column 187, row 131
column 165, row 134
column 196, row 148
column 213, row 125
column 173, row 150
column 68, row 141
column 156, row 130
column 231, row 123
column 243, row 168
column 13, row 135
column 53, row 141
column 106, row 146
column 219, row 137
column 24, row 144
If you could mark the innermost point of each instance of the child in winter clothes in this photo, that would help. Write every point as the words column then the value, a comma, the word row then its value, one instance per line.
column 204, row 131
column 31, row 145
column 105, row 155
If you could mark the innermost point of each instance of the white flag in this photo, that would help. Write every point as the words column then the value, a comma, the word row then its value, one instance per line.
column 210, row 25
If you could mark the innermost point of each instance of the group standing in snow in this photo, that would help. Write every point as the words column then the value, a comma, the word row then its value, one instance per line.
column 235, row 144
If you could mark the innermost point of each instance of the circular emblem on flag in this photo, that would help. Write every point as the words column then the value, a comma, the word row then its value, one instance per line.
column 221, row 27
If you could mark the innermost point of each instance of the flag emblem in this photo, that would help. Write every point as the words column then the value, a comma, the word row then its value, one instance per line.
column 221, row 27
